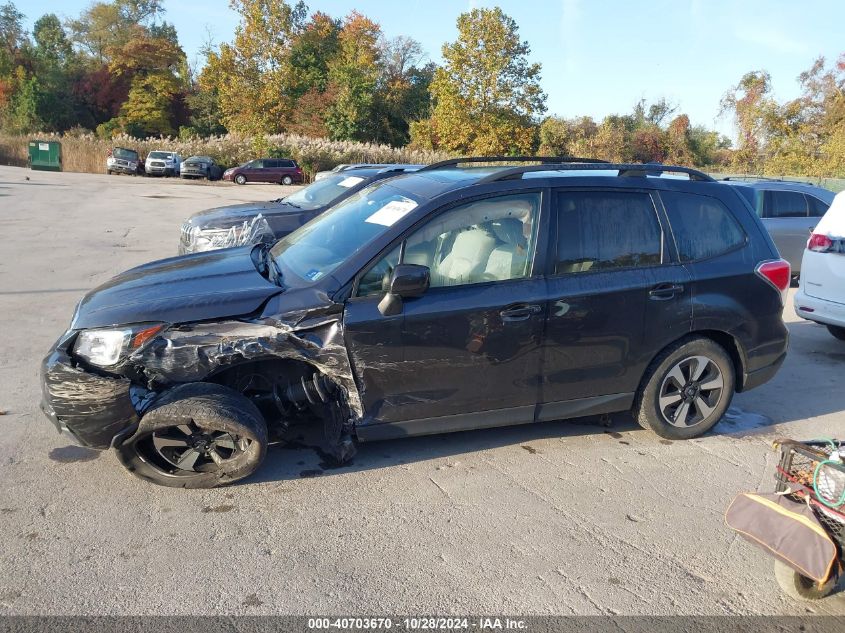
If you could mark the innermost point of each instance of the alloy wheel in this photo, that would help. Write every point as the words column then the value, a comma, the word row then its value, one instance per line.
column 690, row 391
column 188, row 448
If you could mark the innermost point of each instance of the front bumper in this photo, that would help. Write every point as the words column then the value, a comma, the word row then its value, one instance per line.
column 123, row 169
column 193, row 173
column 156, row 169
column 819, row 310
column 90, row 408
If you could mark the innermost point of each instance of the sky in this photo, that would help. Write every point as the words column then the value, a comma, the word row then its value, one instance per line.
column 599, row 57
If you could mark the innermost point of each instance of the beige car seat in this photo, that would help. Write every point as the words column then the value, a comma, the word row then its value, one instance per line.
column 466, row 261
column 509, row 259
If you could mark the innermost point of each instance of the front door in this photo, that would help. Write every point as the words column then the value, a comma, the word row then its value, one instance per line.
column 611, row 280
column 467, row 353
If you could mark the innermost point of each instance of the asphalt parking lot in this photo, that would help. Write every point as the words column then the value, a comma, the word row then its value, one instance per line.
column 558, row 518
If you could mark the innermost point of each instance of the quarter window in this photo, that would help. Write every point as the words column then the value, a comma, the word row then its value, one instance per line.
column 605, row 230
column 817, row 207
column 703, row 226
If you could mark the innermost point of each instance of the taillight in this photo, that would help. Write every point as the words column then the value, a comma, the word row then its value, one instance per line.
column 819, row 243
column 778, row 273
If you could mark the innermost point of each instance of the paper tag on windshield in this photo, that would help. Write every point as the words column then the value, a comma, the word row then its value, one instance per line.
column 392, row 212
column 350, row 181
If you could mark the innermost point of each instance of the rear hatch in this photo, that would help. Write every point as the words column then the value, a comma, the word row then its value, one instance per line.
column 823, row 266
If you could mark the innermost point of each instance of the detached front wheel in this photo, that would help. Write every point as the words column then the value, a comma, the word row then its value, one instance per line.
column 198, row 435
column 800, row 587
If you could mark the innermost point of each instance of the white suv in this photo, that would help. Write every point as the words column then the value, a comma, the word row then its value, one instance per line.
column 160, row 163
column 821, row 297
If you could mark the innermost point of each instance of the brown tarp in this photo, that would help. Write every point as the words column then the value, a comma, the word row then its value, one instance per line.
column 786, row 529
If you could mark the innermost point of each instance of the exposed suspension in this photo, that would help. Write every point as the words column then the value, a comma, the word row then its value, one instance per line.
column 315, row 390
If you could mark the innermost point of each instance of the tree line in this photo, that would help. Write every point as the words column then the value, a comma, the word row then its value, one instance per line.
column 118, row 68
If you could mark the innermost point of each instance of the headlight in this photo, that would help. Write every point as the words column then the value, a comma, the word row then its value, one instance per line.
column 212, row 239
column 107, row 347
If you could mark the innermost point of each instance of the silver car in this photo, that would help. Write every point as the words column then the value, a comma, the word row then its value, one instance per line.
column 789, row 210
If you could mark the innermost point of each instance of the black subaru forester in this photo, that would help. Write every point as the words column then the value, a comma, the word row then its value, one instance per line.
column 457, row 297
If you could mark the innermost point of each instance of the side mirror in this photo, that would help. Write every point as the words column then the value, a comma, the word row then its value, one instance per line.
column 406, row 282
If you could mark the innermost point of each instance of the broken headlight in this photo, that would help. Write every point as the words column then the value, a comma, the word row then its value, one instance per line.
column 107, row 347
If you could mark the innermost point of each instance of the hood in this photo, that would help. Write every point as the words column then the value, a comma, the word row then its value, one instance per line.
column 229, row 216
column 213, row 285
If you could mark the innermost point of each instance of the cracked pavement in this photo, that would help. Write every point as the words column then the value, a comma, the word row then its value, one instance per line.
column 555, row 518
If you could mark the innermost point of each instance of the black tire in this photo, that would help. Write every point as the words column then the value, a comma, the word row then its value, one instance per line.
column 800, row 587
column 109, row 172
column 287, row 180
column 676, row 403
column 240, row 179
column 227, row 439
column 837, row 331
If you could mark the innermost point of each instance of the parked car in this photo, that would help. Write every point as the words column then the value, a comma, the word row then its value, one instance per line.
column 201, row 167
column 342, row 167
column 789, row 211
column 821, row 296
column 253, row 223
column 283, row 171
column 161, row 163
column 121, row 160
column 448, row 299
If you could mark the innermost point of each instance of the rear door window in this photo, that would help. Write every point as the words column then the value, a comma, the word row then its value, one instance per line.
column 605, row 230
column 785, row 204
column 817, row 207
column 703, row 226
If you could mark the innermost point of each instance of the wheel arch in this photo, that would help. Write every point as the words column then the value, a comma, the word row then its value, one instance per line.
column 725, row 340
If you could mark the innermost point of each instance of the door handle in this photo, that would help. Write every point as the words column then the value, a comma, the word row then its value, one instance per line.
column 519, row 312
column 663, row 292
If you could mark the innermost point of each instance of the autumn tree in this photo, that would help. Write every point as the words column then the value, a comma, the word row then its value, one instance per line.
column 354, row 74
column 487, row 95
column 403, row 94
column 250, row 74
column 751, row 105
column 105, row 27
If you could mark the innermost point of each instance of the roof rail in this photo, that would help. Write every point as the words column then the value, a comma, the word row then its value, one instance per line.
column 763, row 178
column 401, row 168
column 452, row 162
column 625, row 169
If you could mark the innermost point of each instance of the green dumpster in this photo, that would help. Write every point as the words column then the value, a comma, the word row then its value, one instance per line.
column 45, row 155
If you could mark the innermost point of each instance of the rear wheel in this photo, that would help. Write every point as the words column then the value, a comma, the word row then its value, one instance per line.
column 287, row 180
column 198, row 435
column 240, row 179
column 688, row 388
column 800, row 587
column 837, row 331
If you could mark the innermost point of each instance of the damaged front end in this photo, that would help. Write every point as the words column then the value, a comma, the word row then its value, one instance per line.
column 90, row 408
column 294, row 368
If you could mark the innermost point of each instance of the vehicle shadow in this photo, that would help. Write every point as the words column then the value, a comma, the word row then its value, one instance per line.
column 302, row 457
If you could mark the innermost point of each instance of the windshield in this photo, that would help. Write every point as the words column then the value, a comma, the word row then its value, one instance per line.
column 316, row 249
column 161, row 154
column 125, row 154
column 323, row 192
column 199, row 159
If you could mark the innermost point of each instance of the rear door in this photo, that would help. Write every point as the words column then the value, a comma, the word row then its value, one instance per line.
column 786, row 217
column 270, row 173
column 617, row 296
